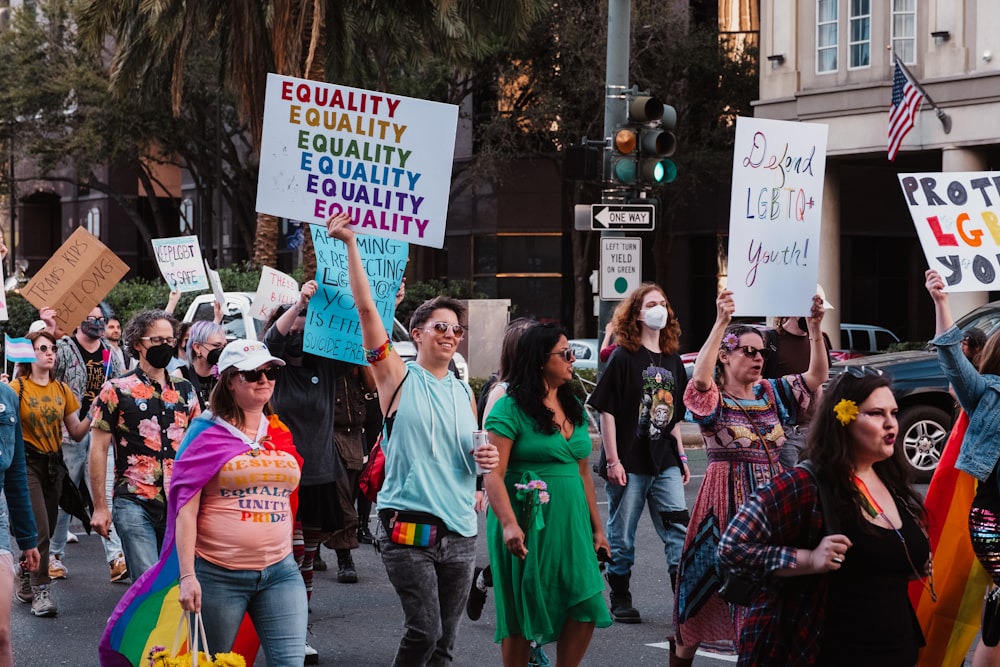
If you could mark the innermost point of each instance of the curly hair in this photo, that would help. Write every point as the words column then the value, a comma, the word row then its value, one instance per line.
column 625, row 321
column 830, row 448
column 140, row 324
column 527, row 386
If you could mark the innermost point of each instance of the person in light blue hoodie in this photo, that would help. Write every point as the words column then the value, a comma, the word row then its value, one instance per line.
column 426, row 504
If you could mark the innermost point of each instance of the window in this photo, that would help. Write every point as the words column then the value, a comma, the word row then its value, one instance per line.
column 827, row 14
column 94, row 221
column 860, row 44
column 187, row 217
column 904, row 30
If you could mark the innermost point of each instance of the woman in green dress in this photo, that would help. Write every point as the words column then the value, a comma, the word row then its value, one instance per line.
column 545, row 533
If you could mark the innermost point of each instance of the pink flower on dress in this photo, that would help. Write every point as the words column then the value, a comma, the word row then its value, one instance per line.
column 175, row 433
column 141, row 473
column 149, row 429
column 170, row 396
column 141, row 391
column 108, row 394
column 127, row 382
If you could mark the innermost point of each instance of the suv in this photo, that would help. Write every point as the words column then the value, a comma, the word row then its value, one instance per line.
column 858, row 340
column 926, row 408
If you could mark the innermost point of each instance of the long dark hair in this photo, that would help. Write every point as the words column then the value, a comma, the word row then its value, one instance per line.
column 508, row 349
column 527, row 387
column 829, row 447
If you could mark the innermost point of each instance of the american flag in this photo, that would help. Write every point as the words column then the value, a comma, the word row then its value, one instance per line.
column 906, row 99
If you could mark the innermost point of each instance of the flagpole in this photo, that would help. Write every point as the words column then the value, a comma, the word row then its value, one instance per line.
column 942, row 116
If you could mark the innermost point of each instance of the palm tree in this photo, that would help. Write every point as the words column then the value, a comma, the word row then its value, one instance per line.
column 362, row 43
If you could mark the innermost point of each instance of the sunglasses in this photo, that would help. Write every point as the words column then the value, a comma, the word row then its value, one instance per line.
column 251, row 376
column 749, row 351
column 457, row 330
column 568, row 354
column 45, row 348
column 863, row 371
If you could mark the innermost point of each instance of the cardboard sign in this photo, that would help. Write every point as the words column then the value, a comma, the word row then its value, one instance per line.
column 180, row 263
column 774, row 215
column 333, row 329
column 78, row 276
column 384, row 159
column 957, row 216
column 274, row 289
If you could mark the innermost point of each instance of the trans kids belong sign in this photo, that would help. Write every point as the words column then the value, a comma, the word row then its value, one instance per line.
column 384, row 159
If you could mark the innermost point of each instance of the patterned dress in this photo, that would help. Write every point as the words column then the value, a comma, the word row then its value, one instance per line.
column 738, row 465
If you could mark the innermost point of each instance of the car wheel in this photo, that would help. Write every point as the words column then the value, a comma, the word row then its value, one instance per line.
column 923, row 430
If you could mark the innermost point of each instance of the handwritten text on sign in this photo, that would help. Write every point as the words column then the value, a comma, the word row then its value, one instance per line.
column 957, row 216
column 78, row 276
column 332, row 327
column 180, row 263
column 384, row 159
column 274, row 289
column 774, row 215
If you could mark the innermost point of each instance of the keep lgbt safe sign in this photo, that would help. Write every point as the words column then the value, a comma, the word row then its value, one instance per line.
column 384, row 159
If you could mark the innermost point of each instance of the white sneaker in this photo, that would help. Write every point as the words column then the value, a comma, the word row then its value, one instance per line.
column 43, row 604
column 71, row 538
column 56, row 568
column 312, row 655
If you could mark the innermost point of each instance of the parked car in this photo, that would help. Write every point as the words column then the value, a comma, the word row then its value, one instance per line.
column 859, row 340
column 235, row 318
column 926, row 408
column 586, row 351
column 408, row 351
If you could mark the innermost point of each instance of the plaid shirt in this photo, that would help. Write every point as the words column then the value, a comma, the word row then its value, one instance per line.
column 784, row 623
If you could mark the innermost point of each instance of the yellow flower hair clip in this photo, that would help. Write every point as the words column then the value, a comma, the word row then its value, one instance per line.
column 846, row 411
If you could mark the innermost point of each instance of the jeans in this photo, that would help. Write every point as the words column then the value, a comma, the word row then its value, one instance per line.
column 433, row 585
column 795, row 442
column 4, row 525
column 664, row 494
column 141, row 526
column 45, row 480
column 76, row 456
column 275, row 598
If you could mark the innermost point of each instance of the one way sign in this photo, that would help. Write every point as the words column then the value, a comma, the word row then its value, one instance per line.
column 625, row 217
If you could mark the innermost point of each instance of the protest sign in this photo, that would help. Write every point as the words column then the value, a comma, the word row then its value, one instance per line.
column 332, row 327
column 216, row 283
column 957, row 216
column 78, row 276
column 775, row 214
column 3, row 298
column 274, row 289
column 181, row 266
column 384, row 159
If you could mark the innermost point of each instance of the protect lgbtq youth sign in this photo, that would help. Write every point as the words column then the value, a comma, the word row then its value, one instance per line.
column 774, row 215
column 384, row 159
column 956, row 216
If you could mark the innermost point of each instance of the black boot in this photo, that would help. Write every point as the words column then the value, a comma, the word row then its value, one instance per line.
column 621, row 600
column 346, row 574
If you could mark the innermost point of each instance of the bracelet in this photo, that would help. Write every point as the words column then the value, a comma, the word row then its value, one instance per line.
column 185, row 576
column 612, row 465
column 684, row 457
column 379, row 353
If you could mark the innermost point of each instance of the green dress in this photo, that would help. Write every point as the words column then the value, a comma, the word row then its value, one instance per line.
column 559, row 579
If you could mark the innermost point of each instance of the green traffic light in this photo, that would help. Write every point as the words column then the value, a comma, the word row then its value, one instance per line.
column 625, row 171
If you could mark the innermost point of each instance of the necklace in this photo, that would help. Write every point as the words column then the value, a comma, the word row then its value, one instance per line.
column 658, row 364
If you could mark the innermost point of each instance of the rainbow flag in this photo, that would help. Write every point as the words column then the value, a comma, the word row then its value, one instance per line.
column 18, row 350
column 149, row 612
column 951, row 624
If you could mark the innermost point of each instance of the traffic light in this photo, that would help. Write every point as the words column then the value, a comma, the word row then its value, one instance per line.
column 640, row 149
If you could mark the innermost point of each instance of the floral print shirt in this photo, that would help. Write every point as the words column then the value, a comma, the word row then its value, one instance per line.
column 147, row 423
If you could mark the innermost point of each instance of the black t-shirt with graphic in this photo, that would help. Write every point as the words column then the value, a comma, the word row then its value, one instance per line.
column 644, row 392
column 97, row 375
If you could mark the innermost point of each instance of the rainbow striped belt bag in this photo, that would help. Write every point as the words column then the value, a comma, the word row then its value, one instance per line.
column 413, row 529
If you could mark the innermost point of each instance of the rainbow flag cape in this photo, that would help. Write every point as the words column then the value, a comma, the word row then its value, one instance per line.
column 150, row 611
column 951, row 624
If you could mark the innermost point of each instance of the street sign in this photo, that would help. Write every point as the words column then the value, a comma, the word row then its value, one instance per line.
column 621, row 266
column 623, row 217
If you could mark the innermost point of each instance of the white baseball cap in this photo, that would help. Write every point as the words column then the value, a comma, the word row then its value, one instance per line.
column 246, row 355
column 37, row 325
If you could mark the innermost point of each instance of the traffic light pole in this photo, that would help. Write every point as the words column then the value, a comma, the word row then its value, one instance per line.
column 615, row 115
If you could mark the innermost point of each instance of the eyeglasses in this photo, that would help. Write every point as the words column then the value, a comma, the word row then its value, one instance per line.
column 862, row 371
column 750, row 351
column 97, row 320
column 212, row 346
column 457, row 330
column 568, row 354
column 252, row 376
column 45, row 348
column 159, row 340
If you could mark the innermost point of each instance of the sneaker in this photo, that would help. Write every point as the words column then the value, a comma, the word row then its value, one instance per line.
column 477, row 597
column 43, row 604
column 119, row 571
column 364, row 535
column 312, row 655
column 24, row 592
column 56, row 568
column 71, row 538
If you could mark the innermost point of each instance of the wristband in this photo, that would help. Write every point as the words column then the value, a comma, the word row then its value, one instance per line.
column 612, row 465
column 185, row 576
column 684, row 457
column 379, row 353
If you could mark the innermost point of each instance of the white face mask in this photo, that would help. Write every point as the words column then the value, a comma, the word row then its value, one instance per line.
column 656, row 317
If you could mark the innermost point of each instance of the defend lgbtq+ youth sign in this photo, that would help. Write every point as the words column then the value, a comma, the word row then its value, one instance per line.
column 384, row 159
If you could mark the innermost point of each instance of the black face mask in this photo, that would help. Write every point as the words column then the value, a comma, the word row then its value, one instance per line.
column 159, row 356
column 293, row 344
column 92, row 328
column 213, row 356
column 802, row 324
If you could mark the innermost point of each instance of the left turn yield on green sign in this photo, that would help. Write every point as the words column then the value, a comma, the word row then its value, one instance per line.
column 621, row 266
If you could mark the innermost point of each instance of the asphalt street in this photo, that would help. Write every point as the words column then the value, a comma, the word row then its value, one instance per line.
column 358, row 624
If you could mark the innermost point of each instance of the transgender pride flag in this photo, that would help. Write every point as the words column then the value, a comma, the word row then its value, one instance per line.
column 18, row 350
